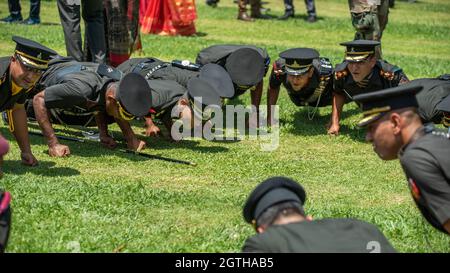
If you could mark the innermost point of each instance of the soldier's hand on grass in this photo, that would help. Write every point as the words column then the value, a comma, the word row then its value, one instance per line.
column 153, row 131
column 333, row 129
column 28, row 159
column 108, row 142
column 136, row 145
column 253, row 120
column 59, row 150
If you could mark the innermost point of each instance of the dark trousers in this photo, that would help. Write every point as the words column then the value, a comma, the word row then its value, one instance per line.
column 310, row 7
column 15, row 8
column 92, row 14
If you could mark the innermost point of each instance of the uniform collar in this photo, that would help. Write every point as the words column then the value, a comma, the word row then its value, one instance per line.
column 420, row 132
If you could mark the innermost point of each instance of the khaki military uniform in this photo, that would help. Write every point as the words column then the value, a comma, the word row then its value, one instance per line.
column 369, row 18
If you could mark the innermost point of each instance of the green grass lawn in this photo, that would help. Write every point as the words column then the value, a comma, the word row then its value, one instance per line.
column 107, row 201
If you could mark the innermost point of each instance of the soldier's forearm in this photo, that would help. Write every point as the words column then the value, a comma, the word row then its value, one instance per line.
column 256, row 95
column 43, row 119
column 126, row 129
column 21, row 128
column 272, row 98
column 100, row 119
column 149, row 122
column 336, row 110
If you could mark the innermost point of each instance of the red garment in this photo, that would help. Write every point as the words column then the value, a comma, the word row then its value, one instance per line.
column 122, row 29
column 168, row 17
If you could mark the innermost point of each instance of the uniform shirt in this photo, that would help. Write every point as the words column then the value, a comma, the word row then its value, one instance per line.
column 426, row 163
column 434, row 91
column 165, row 94
column 152, row 68
column 9, row 95
column 71, row 85
column 325, row 235
column 320, row 83
column 384, row 75
column 359, row 6
column 218, row 54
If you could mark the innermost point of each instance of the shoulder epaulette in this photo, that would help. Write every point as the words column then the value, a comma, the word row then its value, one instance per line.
column 388, row 70
column 340, row 71
column 325, row 68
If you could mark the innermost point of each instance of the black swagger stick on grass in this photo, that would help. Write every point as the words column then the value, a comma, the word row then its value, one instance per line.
column 124, row 150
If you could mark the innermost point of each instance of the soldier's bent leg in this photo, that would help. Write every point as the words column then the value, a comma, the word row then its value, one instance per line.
column 92, row 13
column 69, row 13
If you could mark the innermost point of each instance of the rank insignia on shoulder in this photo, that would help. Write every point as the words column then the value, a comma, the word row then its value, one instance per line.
column 415, row 192
column 387, row 75
column 340, row 74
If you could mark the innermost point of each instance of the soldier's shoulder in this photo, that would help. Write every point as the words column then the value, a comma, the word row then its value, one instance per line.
column 324, row 67
column 387, row 70
column 340, row 71
column 279, row 63
column 4, row 64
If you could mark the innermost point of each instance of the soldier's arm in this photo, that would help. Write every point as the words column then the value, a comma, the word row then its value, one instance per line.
column 423, row 168
column 272, row 98
column 133, row 143
column 402, row 78
column 151, row 128
column 21, row 134
column 42, row 117
column 336, row 110
column 275, row 80
column 105, row 138
column 255, row 94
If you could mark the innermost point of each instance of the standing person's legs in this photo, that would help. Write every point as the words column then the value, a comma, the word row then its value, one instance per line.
column 311, row 10
column 95, row 33
column 15, row 8
column 69, row 13
column 383, row 13
column 288, row 10
column 14, row 12
column 35, row 8
column 242, row 11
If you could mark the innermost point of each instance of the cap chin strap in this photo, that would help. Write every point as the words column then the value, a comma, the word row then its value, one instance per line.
column 123, row 113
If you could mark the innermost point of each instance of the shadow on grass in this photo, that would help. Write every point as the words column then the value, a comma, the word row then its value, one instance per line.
column 318, row 125
column 153, row 143
column 45, row 168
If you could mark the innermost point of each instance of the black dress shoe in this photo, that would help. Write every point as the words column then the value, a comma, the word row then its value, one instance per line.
column 311, row 19
column 12, row 19
column 212, row 3
column 31, row 21
column 286, row 15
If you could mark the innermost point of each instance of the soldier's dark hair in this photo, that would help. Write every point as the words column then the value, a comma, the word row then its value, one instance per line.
column 273, row 213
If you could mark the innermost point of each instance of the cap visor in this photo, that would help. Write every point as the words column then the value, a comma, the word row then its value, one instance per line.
column 297, row 72
column 369, row 119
